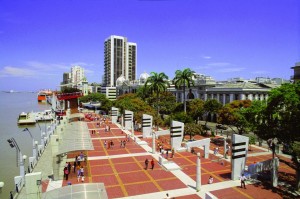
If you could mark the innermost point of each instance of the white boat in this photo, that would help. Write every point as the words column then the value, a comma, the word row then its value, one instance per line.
column 46, row 115
column 26, row 119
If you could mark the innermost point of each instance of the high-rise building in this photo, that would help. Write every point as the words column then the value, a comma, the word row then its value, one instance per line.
column 119, row 60
column 77, row 75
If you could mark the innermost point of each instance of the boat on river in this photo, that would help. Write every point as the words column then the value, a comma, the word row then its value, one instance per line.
column 45, row 115
column 26, row 119
column 43, row 94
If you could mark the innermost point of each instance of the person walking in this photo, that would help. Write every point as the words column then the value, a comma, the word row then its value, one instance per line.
column 273, row 147
column 152, row 164
column 105, row 144
column 210, row 180
column 66, row 170
column 81, row 171
column 69, row 167
column 74, row 166
column 173, row 152
column 146, row 163
column 243, row 180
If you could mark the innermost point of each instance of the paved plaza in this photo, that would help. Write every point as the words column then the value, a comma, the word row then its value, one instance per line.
column 122, row 169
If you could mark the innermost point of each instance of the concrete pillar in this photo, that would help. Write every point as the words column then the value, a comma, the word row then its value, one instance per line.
column 250, row 97
column 242, row 96
column 147, row 121
column 218, row 97
column 114, row 114
column 275, row 172
column 230, row 97
column 224, row 99
column 225, row 155
column 239, row 154
column 176, row 132
column 33, row 185
column 261, row 97
column 198, row 173
column 153, row 143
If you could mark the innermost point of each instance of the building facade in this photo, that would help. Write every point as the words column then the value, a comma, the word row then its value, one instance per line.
column 119, row 60
column 77, row 76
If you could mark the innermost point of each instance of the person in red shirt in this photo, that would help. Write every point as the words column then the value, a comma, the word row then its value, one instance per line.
column 152, row 164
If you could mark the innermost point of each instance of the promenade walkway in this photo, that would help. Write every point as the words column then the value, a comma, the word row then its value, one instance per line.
column 123, row 172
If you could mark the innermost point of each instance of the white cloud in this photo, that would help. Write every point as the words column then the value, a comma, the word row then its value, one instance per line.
column 206, row 57
column 260, row 72
column 220, row 64
column 229, row 70
column 17, row 72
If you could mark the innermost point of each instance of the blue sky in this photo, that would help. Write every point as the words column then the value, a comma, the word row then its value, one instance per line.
column 40, row 40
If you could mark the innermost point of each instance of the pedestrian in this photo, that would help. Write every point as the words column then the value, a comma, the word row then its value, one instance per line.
column 124, row 143
column 160, row 148
column 173, row 152
column 243, row 180
column 112, row 144
column 210, row 180
column 66, row 171
column 81, row 171
column 78, row 175
column 121, row 144
column 152, row 164
column 108, row 145
column 105, row 143
column 69, row 167
column 273, row 147
column 82, row 178
column 167, row 196
column 74, row 166
column 146, row 163
column 167, row 154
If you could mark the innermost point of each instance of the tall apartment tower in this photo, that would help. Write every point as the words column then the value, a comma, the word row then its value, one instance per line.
column 77, row 75
column 119, row 59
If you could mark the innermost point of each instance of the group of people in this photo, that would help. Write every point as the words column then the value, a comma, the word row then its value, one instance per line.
column 147, row 162
column 109, row 144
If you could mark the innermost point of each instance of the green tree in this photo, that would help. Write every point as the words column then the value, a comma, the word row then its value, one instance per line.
column 106, row 104
column 135, row 104
column 280, row 119
column 232, row 115
column 192, row 129
column 167, row 102
column 184, row 79
column 195, row 108
column 156, row 83
column 211, row 106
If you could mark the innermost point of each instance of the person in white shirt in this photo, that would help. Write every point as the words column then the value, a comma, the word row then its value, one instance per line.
column 243, row 180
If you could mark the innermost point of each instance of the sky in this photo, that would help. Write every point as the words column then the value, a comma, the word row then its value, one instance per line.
column 40, row 40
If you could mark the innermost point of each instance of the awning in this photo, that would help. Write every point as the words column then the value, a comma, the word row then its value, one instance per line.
column 82, row 191
column 75, row 137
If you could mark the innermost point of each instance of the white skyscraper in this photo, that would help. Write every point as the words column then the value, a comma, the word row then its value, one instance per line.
column 119, row 60
column 77, row 75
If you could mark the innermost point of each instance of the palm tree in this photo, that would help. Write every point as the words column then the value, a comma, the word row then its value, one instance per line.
column 156, row 83
column 184, row 78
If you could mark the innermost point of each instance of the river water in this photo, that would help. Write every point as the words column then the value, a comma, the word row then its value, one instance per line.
column 11, row 105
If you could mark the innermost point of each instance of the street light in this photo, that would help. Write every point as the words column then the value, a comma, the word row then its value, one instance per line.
column 20, row 158
column 1, row 186
column 34, row 154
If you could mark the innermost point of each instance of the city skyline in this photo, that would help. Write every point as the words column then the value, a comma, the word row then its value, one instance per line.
column 39, row 41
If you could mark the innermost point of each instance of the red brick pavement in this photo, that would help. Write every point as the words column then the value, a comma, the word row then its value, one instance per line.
column 126, row 176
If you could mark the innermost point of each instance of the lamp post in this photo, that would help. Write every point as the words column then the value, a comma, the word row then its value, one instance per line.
column 34, row 145
column 20, row 158
column 42, row 136
column 1, row 186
